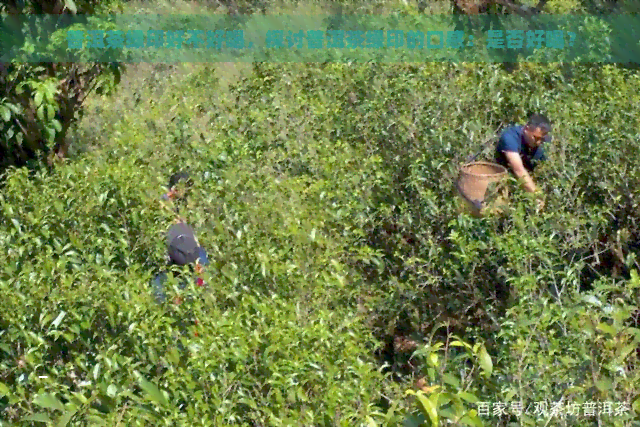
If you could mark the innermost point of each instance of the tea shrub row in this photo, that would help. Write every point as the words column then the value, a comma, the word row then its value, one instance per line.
column 324, row 197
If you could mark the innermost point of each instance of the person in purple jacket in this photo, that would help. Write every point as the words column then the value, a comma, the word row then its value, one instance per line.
column 183, row 249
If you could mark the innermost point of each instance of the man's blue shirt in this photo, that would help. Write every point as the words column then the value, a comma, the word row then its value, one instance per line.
column 512, row 139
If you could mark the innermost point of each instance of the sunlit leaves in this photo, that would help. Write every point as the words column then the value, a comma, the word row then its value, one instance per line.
column 327, row 217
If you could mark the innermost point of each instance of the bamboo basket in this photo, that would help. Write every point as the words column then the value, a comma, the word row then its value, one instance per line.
column 482, row 186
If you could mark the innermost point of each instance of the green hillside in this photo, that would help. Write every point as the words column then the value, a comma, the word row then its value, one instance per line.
column 324, row 197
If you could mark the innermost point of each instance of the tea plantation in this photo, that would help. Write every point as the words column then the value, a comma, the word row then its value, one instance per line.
column 344, row 288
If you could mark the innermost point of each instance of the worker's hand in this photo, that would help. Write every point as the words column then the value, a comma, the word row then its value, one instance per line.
column 199, row 268
column 540, row 205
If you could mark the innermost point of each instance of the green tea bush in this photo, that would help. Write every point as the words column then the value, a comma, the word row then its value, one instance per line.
column 341, row 270
column 436, row 265
column 89, row 341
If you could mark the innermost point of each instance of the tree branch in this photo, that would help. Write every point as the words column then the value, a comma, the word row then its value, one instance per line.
column 519, row 9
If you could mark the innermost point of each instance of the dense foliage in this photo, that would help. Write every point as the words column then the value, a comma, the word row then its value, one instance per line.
column 39, row 102
column 341, row 271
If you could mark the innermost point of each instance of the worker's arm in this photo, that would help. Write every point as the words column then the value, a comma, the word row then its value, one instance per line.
column 519, row 170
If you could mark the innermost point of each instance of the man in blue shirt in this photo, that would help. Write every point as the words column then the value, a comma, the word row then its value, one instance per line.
column 520, row 148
